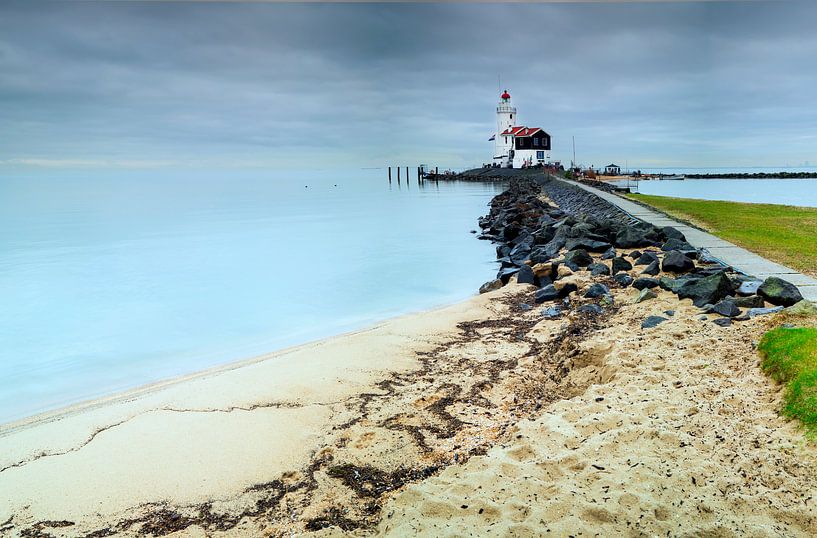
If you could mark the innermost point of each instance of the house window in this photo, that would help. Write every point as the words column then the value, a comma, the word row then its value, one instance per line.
column 540, row 155
column 535, row 141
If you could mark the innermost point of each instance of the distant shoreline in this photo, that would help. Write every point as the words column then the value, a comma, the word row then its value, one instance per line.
column 755, row 175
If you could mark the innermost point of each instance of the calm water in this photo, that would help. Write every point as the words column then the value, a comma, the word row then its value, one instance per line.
column 113, row 281
column 799, row 192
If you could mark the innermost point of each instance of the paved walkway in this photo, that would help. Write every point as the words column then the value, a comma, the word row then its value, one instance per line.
column 730, row 254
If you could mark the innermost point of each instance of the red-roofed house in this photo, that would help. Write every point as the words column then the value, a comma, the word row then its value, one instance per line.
column 516, row 146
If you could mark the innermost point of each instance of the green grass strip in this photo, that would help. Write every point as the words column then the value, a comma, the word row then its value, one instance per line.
column 789, row 355
column 785, row 234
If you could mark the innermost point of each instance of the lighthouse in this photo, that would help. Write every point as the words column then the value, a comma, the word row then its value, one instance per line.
column 517, row 146
column 505, row 116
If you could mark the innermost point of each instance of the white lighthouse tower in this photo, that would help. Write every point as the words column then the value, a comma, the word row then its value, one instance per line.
column 505, row 118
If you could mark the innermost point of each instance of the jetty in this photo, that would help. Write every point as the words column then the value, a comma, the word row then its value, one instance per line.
column 728, row 253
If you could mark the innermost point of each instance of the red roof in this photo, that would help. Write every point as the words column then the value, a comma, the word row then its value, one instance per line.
column 505, row 95
column 521, row 131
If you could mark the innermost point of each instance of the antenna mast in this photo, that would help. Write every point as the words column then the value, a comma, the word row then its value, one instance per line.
column 574, row 151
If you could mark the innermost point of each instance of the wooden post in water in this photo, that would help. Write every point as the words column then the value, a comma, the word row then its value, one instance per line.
column 389, row 174
column 398, row 175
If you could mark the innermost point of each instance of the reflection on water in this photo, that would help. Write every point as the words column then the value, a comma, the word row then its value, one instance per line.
column 111, row 281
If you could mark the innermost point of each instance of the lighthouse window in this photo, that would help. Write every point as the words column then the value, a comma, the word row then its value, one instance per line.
column 511, row 116
column 540, row 154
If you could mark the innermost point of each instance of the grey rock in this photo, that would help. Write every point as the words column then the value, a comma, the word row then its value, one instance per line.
column 621, row 264
column 548, row 293
column 669, row 312
column 779, row 292
column 754, row 312
column 727, row 308
column 646, row 258
column 652, row 321
column 645, row 295
column 596, row 290
column 609, row 254
column 752, row 301
column 676, row 244
column 623, row 279
column 598, row 269
column 645, row 282
column 652, row 269
column 506, row 273
column 525, row 275
column 589, row 245
column 579, row 257
column 634, row 255
column 677, row 262
column 749, row 287
column 672, row 233
column 520, row 253
column 706, row 290
column 490, row 286
column 802, row 309
column 723, row 322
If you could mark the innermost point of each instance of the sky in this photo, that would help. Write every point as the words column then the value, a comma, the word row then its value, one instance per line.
column 258, row 85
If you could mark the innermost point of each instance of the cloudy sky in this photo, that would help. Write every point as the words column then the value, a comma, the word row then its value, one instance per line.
column 182, row 84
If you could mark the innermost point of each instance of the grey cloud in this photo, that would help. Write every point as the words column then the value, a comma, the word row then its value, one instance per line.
column 691, row 84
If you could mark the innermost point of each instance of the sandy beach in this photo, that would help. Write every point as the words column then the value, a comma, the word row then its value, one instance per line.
column 487, row 417
column 477, row 418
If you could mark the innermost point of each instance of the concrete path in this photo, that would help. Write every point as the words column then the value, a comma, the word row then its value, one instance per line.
column 730, row 254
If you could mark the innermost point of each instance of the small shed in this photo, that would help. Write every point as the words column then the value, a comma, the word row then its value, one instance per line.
column 612, row 170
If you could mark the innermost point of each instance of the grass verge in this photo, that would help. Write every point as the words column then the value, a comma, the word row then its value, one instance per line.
column 785, row 234
column 789, row 355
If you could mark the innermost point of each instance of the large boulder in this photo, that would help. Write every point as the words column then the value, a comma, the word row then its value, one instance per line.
column 635, row 236
column 779, row 292
column 672, row 233
column 580, row 257
column 621, row 264
column 676, row 244
column 706, row 290
column 525, row 275
column 677, row 262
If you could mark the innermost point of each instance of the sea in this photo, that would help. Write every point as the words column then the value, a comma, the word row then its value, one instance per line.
column 795, row 192
column 110, row 280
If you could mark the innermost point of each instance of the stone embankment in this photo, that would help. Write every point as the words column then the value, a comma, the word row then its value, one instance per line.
column 540, row 243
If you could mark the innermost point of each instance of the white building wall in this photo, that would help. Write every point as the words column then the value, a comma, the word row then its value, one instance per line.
column 521, row 155
column 505, row 118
